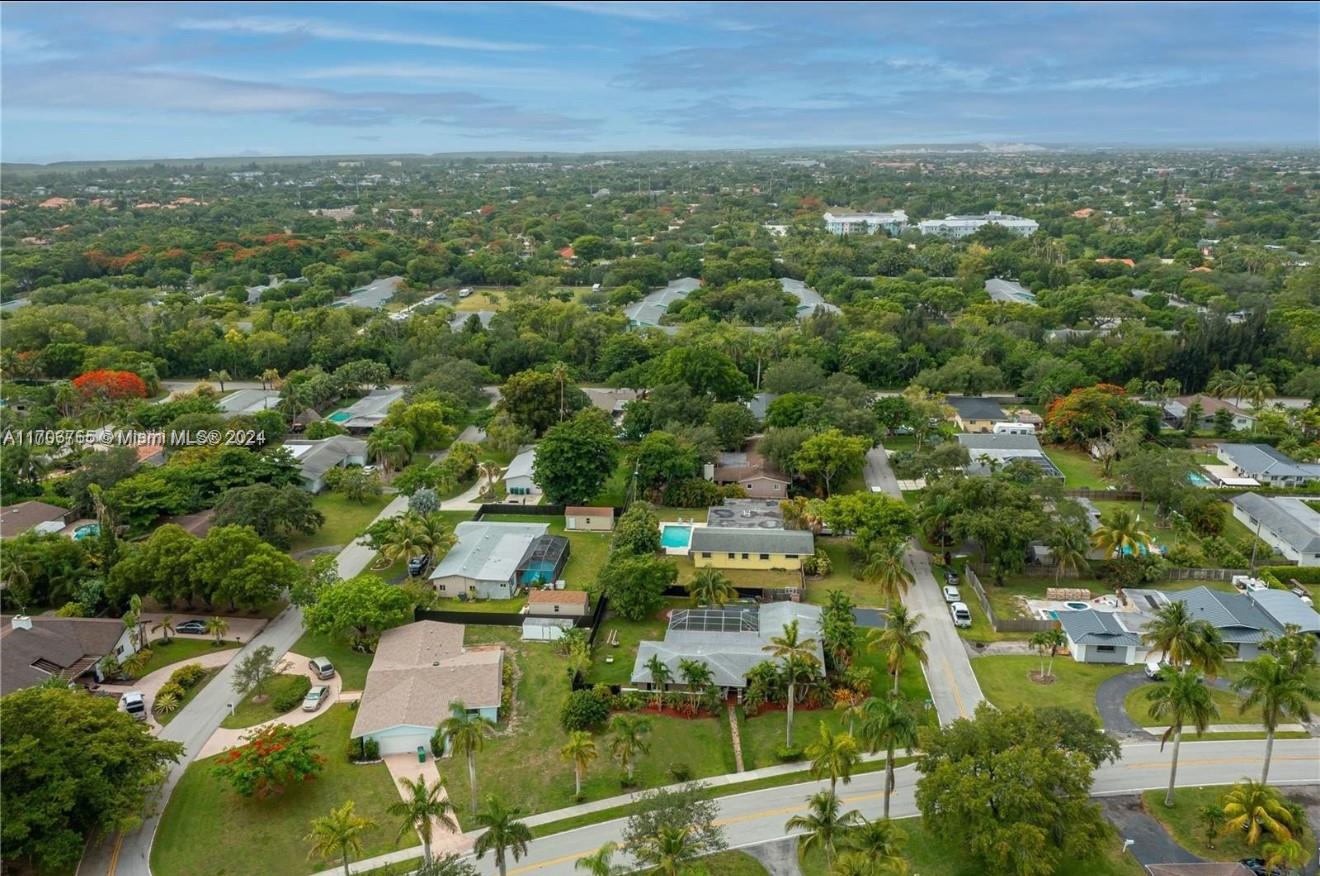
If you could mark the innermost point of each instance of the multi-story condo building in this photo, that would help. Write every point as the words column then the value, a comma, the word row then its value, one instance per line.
column 866, row 223
column 958, row 227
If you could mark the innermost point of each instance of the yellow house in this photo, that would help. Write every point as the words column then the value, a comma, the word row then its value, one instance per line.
column 972, row 414
column 750, row 548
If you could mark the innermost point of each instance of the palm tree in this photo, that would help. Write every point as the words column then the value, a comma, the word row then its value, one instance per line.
column 217, row 626
column 599, row 862
column 407, row 539
column 900, row 639
column 795, row 652
column 1184, row 700
column 220, row 377
column 885, row 568
column 1048, row 642
column 392, row 448
column 1212, row 819
column 338, row 834
column 888, row 724
column 1185, row 641
column 1279, row 692
column 133, row 620
column 660, row 676
column 435, row 534
column 1284, row 855
column 166, row 627
column 580, row 750
column 490, row 472
column 1068, row 546
column 270, row 378
column 1121, row 532
column 880, row 843
column 669, row 849
column 560, row 372
column 465, row 734
column 421, row 807
column 1240, row 383
column 503, row 834
column 823, row 825
column 834, row 755
column 709, row 587
column 628, row 740
column 698, row 677
column 1255, row 807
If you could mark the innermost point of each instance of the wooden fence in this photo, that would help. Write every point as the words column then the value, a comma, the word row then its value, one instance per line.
column 1004, row 625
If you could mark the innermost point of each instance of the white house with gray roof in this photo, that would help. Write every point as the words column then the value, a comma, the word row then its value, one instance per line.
column 1104, row 636
column 728, row 639
column 995, row 450
column 519, row 478
column 366, row 413
column 317, row 456
column 1287, row 523
column 1268, row 465
column 484, row 562
column 648, row 312
column 1242, row 622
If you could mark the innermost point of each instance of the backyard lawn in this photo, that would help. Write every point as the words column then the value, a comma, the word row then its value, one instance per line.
column 630, row 634
column 208, row 830
column 758, row 578
column 1079, row 469
column 351, row 665
column 1184, row 823
column 345, row 520
column 180, row 650
column 840, row 576
column 249, row 713
column 521, row 761
column 1005, row 681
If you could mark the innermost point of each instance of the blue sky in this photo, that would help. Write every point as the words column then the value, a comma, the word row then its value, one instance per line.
column 114, row 80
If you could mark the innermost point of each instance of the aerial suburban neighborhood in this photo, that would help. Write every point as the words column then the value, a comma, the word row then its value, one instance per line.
column 846, row 439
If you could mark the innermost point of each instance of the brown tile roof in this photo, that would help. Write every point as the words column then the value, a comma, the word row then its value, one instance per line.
column 60, row 642
column 557, row 597
column 419, row 670
column 585, row 511
column 18, row 519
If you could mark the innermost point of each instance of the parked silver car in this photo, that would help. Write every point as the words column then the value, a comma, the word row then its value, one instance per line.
column 315, row 697
column 321, row 667
column 951, row 594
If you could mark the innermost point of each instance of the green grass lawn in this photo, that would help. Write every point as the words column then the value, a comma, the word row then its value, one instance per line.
column 345, row 520
column 1079, row 469
column 587, row 554
column 733, row 863
column 938, row 853
column 1138, row 708
column 163, row 718
column 1163, row 534
column 521, row 761
column 180, row 651
column 1005, row 681
column 208, row 830
column 772, row 578
column 351, row 665
column 248, row 713
column 1182, row 822
column 625, row 653
column 840, row 577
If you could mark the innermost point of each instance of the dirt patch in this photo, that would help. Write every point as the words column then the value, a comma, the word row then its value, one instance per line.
column 1041, row 679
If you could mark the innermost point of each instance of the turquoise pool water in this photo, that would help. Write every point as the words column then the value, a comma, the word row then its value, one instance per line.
column 1197, row 479
column 87, row 530
column 339, row 417
column 675, row 536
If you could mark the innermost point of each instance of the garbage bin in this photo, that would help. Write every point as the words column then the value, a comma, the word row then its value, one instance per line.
column 421, row 754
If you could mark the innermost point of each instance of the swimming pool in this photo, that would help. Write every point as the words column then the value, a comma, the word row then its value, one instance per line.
column 1197, row 479
column 340, row 417
column 675, row 538
column 87, row 530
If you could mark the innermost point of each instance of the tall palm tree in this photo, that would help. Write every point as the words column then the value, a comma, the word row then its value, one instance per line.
column 1256, row 808
column 338, row 835
column 435, row 534
column 709, row 586
column 221, row 377
column 669, row 849
column 1184, row 640
column 628, row 740
column 660, row 676
column 270, row 378
column 1241, row 383
column 1120, row 533
column 885, row 568
column 600, row 862
column 888, row 724
column 465, row 734
column 823, row 826
column 699, row 679
column 792, row 650
column 833, row 754
column 166, row 627
column 560, row 372
column 504, row 833
column 1048, row 643
column 1183, row 700
column 881, row 843
column 1280, row 693
column 421, row 807
column 489, row 472
column 900, row 639
column 580, row 750
column 1068, row 546
column 133, row 620
column 217, row 626
column 935, row 516
column 407, row 539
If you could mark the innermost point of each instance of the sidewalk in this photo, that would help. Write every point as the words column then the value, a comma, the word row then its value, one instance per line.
column 1231, row 728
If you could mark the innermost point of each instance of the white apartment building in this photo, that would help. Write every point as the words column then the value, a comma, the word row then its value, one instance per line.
column 866, row 223
column 958, row 227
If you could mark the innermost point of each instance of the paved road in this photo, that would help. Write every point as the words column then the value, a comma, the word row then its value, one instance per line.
column 374, row 294
column 759, row 816
column 953, row 685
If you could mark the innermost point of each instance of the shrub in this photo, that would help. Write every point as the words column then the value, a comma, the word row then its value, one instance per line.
column 170, row 688
column 629, row 701
column 788, row 753
column 680, row 772
column 506, row 688
column 584, row 709
column 188, row 676
column 370, row 749
column 437, row 743
column 165, row 703
column 818, row 564
column 290, row 693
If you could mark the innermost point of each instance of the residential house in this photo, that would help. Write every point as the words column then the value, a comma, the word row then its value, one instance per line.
column 648, row 312
column 1176, row 411
column 518, row 478
column 809, row 300
column 976, row 414
column 993, row 451
column 38, row 648
column 38, row 517
column 1241, row 621
column 242, row 402
column 958, row 227
column 1104, row 636
column 752, row 472
column 367, row 412
column 750, row 548
column 1268, row 465
column 583, row 519
column 419, row 671
column 611, row 401
column 843, row 223
column 730, row 640
column 484, row 561
column 317, row 456
column 1008, row 291
column 558, row 603
column 746, row 514
column 1287, row 609
column 1289, row 524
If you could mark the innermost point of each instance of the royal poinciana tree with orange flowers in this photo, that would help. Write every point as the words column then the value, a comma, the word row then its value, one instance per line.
column 1092, row 412
column 114, row 385
column 270, row 760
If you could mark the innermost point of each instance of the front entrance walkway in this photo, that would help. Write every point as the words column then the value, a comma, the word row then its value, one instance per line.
column 406, row 766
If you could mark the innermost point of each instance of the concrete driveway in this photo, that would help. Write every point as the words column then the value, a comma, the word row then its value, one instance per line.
column 149, row 685
column 241, row 629
column 225, row 738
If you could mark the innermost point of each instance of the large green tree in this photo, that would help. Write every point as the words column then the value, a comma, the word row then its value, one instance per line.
column 830, row 455
column 635, row 585
column 362, row 606
column 576, row 457
column 276, row 513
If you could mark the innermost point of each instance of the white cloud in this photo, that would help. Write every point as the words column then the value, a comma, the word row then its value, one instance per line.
column 330, row 31
column 528, row 78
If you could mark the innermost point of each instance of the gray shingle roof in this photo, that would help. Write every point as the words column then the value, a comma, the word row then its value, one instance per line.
column 1286, row 608
column 1097, row 628
column 63, row 643
column 973, row 408
column 1238, row 618
column 753, row 541
column 1288, row 517
column 488, row 551
column 369, row 410
column 1258, row 459
column 323, row 454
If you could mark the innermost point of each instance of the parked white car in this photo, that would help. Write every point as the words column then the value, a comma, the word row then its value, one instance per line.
column 951, row 594
column 135, row 704
column 962, row 615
